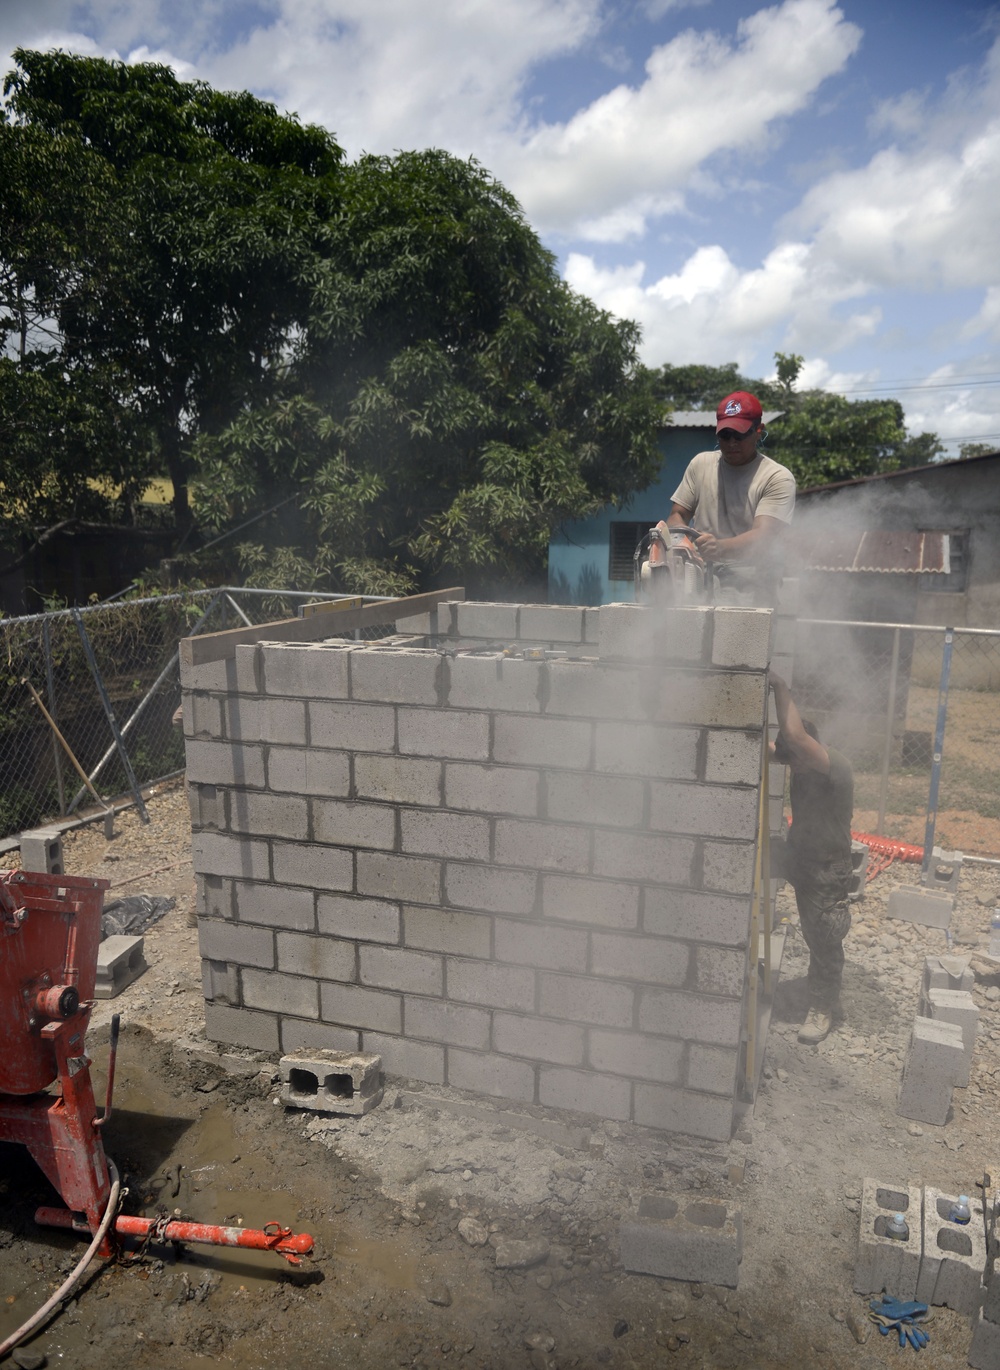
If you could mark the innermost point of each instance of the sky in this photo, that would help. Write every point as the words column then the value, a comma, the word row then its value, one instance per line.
column 805, row 176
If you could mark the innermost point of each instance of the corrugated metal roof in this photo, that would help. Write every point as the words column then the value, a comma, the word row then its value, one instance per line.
column 879, row 551
column 705, row 418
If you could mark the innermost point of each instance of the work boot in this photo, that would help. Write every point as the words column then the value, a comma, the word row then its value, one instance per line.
column 817, row 1026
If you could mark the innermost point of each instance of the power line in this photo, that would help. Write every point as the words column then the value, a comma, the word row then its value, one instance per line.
column 919, row 385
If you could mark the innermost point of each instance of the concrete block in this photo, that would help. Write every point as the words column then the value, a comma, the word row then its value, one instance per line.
column 492, row 621
column 352, row 727
column 306, row 671
column 490, row 889
column 331, row 1081
column 684, row 1110
column 224, row 763
column 119, row 962
column 684, row 1238
column 354, row 1006
column 248, row 675
column 600, row 903
column 644, row 856
column 398, row 780
column 720, row 970
column 585, row 1091
column 344, row 824
column 220, row 983
column 741, row 638
column 488, row 984
column 521, row 740
column 452, row 930
column 269, row 815
column 984, row 1351
column 636, row 1055
column 944, row 870
column 640, row 632
column 654, row 960
column 592, row 689
column 957, row 1006
column 412, row 1060
column 539, row 1039
column 542, row 846
column 606, row 800
column 41, row 851
column 414, row 972
column 691, row 1017
column 712, row 1069
column 936, row 1056
column 728, row 866
column 213, row 896
column 696, row 916
column 954, row 1256
column 709, row 699
column 647, row 749
column 276, row 993
column 418, row 624
column 707, row 811
column 506, row 684
column 733, row 758
column 217, row 853
column 525, row 943
column 207, row 806
column 302, row 770
column 410, row 879
column 202, row 715
column 586, row 1001
column 887, row 1262
column 318, row 868
column 436, row 833
column 223, row 940
column 216, row 676
column 914, row 904
column 320, row 958
column 991, row 1289
column 491, row 789
column 452, row 1024
column 297, row 1035
column 555, row 623
column 449, row 733
column 860, row 855
column 367, row 920
column 487, row 1073
column 239, row 1028
column 948, row 972
column 276, row 906
column 265, row 720
column 396, row 675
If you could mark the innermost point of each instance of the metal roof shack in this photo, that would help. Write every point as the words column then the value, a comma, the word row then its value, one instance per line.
column 879, row 551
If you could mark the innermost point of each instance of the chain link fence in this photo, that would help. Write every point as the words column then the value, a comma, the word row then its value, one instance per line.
column 99, row 670
column 879, row 692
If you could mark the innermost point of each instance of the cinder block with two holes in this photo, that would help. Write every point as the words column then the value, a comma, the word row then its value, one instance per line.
column 884, row 1262
column 119, row 962
column 41, row 850
column 684, row 1238
column 954, row 1256
column 332, row 1081
column 944, row 870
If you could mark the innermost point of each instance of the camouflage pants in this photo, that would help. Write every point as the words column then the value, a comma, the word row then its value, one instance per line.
column 825, row 918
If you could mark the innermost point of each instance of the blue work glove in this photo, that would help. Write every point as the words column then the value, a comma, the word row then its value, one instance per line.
column 903, row 1317
column 890, row 1307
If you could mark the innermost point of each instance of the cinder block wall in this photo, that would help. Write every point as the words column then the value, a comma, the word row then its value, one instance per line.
column 524, row 874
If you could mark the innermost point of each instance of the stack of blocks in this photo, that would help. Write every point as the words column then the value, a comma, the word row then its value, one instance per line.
column 525, row 875
column 943, row 1040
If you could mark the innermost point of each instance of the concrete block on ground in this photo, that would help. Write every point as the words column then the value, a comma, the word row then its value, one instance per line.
column 684, row 1238
column 984, row 1352
column 41, row 851
column 957, row 1006
column 935, row 1057
column 119, row 961
column 860, row 855
column 944, row 870
column 332, row 1081
column 888, row 1262
column 991, row 1289
column 954, row 1254
column 948, row 972
column 914, row 904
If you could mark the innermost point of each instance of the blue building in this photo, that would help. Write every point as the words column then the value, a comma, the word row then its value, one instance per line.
column 590, row 560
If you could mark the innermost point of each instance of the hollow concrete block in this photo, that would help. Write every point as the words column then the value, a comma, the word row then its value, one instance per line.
column 888, row 1262
column 120, row 960
column 958, row 1007
column 41, row 850
column 954, row 1256
column 984, row 1352
column 943, row 871
column 936, row 1057
column 684, row 1238
column 331, row 1081
column 914, row 904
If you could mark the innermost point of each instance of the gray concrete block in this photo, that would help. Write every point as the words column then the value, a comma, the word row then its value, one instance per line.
column 936, row 1056
column 712, row 1069
column 319, row 958
column 944, row 870
column 452, row 1024
column 213, row 896
column 860, row 856
column 355, row 1006
column 640, row 632
column 692, row 1017
column 538, row 1039
column 490, row 889
column 367, row 920
column 948, row 972
column 452, row 733
column 308, row 770
column 202, row 715
column 415, row 972
column 733, row 758
column 550, row 623
column 644, row 856
column 412, row 1060
column 220, row 983
column 542, row 846
column 396, row 675
column 984, row 1351
column 585, row 1000
column 488, row 984
column 419, row 624
column 298, row 1035
column 398, row 780
column 991, row 1289
column 488, row 1073
column 216, row 676
column 654, row 960
column 352, row 727
column 224, row 940
column 710, row 699
column 520, row 739
column 275, row 993
column 265, row 720
column 954, row 1254
column 306, row 671
column 592, row 689
column 217, row 853
column 41, row 851
column 455, row 931
column 318, row 868
column 506, row 684
column 120, row 960
column 887, row 1262
column 442, row 833
column 696, row 917
column 728, row 867
column 684, row 1110
column 684, row 1238
column 741, row 638
column 491, row 789
column 705, row 810
column 600, row 903
column 207, row 807
column 240, row 1028
column 276, row 906
column 636, row 1055
column 410, row 879
column 605, row 800
column 958, row 1007
column 269, row 815
column 482, row 619
column 585, row 1091
column 224, row 763
column 345, row 824
column 720, row 970
column 914, row 904
column 331, row 1081
column 647, row 749
column 524, row 943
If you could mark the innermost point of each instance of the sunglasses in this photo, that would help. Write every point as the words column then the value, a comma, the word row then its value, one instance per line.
column 730, row 435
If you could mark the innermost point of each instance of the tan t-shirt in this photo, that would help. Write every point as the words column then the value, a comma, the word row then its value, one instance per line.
column 725, row 499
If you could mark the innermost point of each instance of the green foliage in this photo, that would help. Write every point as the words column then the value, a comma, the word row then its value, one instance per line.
column 976, row 449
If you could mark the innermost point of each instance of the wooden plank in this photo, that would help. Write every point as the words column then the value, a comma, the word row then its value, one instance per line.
column 332, row 606
column 195, row 651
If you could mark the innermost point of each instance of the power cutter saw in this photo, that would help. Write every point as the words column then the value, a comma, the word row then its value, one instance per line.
column 667, row 567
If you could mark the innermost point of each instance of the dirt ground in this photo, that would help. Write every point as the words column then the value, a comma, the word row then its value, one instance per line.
column 395, row 1281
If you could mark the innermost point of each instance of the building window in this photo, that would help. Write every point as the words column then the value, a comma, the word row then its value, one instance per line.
column 955, row 580
column 624, row 539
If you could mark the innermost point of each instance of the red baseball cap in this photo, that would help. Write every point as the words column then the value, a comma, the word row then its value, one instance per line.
column 740, row 411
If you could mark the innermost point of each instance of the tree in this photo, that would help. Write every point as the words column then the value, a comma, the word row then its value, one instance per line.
column 976, row 449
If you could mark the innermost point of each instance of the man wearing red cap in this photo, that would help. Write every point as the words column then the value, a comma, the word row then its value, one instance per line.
column 740, row 500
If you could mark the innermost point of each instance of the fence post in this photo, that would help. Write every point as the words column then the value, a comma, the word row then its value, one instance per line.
column 942, row 715
column 50, row 689
column 110, row 715
column 890, row 724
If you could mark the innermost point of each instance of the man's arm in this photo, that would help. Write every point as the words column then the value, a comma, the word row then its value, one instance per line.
column 679, row 516
column 805, row 749
column 753, row 545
